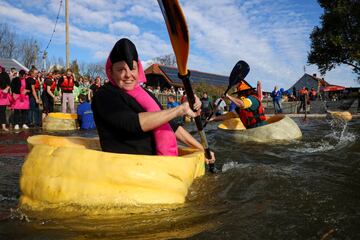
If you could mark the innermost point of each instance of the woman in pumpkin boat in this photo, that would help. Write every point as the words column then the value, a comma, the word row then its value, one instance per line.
column 129, row 119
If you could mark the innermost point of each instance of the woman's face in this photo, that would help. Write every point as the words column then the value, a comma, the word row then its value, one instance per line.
column 123, row 76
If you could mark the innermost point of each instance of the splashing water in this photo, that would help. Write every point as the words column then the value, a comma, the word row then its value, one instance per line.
column 338, row 138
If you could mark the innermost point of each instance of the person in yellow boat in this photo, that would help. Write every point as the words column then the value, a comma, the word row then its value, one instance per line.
column 248, row 107
column 129, row 119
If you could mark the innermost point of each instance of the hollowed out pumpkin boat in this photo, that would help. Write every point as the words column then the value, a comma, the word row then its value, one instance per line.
column 60, row 122
column 278, row 127
column 73, row 171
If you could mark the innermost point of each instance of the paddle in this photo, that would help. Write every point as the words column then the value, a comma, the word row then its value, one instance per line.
column 179, row 37
column 238, row 73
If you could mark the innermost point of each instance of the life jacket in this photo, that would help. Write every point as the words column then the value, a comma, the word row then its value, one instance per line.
column 52, row 86
column 252, row 118
column 67, row 84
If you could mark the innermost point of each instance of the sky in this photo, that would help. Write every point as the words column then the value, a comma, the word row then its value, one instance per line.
column 271, row 36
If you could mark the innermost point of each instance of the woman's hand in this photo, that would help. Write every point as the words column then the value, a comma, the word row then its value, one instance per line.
column 188, row 111
column 212, row 160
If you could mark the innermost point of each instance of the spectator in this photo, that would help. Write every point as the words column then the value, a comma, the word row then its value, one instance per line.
column 84, row 86
column 276, row 96
column 157, row 90
column 183, row 98
column 171, row 103
column 66, row 84
column 48, row 95
column 20, row 105
column 85, row 114
column 94, row 87
column 294, row 92
column 206, row 106
column 4, row 97
column 220, row 105
column 312, row 94
column 13, row 73
column 303, row 98
column 34, row 98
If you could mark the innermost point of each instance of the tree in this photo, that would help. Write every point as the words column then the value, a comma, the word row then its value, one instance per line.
column 75, row 68
column 30, row 51
column 7, row 42
column 94, row 70
column 168, row 60
column 337, row 41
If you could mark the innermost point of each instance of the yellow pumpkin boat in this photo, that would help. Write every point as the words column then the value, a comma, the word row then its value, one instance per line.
column 62, row 171
column 344, row 116
column 60, row 122
column 279, row 127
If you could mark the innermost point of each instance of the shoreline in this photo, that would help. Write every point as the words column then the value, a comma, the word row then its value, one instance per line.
column 311, row 115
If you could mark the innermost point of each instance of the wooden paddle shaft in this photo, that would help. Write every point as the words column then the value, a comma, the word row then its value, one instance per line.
column 191, row 99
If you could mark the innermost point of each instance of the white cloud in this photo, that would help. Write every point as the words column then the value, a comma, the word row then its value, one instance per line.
column 145, row 11
column 82, row 15
column 101, row 55
column 124, row 28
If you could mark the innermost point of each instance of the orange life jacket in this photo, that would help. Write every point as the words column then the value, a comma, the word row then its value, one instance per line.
column 67, row 84
column 52, row 86
column 251, row 118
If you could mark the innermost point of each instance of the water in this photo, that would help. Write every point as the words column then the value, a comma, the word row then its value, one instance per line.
column 305, row 189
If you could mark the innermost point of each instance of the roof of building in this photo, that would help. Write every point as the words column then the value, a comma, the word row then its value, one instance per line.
column 9, row 63
column 170, row 74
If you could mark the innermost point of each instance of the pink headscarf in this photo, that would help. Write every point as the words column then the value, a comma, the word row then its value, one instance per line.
column 165, row 138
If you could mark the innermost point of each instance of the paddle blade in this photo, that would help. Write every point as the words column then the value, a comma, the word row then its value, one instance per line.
column 239, row 72
column 178, row 32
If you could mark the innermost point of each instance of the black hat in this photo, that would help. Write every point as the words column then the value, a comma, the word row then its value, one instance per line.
column 124, row 50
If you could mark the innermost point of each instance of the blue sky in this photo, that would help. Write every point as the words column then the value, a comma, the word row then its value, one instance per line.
column 272, row 36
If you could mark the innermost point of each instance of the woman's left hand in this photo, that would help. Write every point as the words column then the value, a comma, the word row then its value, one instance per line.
column 212, row 160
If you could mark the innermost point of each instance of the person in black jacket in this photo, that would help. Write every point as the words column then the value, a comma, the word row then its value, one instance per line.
column 4, row 97
column 128, row 117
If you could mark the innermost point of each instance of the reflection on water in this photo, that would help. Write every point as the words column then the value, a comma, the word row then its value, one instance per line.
column 304, row 189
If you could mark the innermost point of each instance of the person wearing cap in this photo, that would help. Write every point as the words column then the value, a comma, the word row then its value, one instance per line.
column 248, row 107
column 128, row 118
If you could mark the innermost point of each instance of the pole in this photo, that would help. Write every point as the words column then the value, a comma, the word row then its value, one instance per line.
column 44, row 60
column 67, row 32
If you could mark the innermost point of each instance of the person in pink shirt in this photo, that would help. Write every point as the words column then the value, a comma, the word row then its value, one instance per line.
column 21, row 102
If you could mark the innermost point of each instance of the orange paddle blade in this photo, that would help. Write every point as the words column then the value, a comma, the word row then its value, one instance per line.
column 178, row 32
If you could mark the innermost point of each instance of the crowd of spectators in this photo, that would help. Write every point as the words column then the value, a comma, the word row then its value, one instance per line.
column 31, row 96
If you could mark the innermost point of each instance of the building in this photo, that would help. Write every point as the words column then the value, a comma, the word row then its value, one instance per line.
column 312, row 81
column 166, row 76
column 9, row 63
